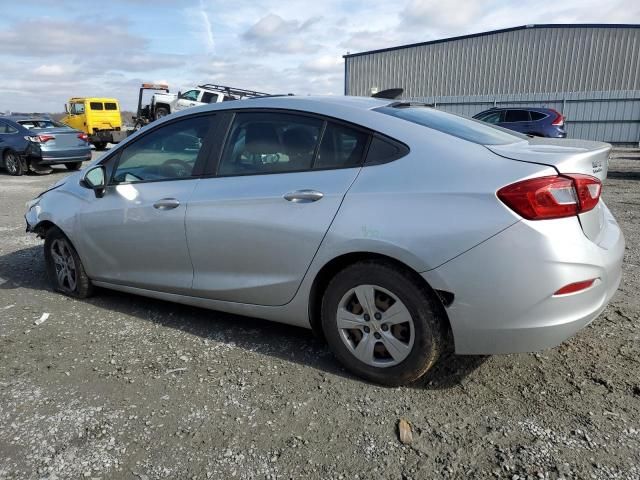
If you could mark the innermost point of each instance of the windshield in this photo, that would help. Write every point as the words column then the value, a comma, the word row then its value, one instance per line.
column 37, row 124
column 461, row 127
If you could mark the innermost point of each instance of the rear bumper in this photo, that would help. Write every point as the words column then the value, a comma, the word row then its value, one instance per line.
column 108, row 136
column 504, row 288
column 61, row 156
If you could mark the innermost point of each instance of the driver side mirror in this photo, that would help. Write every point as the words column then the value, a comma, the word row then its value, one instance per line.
column 95, row 179
column 66, row 108
column 179, row 94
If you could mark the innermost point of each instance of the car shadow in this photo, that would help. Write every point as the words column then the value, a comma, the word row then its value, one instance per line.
column 25, row 269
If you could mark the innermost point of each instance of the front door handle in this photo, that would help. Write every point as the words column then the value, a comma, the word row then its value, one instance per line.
column 166, row 204
column 303, row 196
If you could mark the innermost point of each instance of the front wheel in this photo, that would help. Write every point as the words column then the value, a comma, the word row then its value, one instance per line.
column 64, row 268
column 100, row 145
column 73, row 166
column 382, row 323
column 161, row 112
column 13, row 164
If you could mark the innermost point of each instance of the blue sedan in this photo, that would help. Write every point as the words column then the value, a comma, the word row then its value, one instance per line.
column 35, row 143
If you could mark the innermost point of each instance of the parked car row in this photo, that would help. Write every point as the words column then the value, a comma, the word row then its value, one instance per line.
column 394, row 230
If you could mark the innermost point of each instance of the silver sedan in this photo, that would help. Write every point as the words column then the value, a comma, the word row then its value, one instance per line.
column 393, row 230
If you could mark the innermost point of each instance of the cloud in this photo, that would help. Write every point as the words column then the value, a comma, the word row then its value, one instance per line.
column 44, row 37
column 435, row 14
column 323, row 64
column 273, row 34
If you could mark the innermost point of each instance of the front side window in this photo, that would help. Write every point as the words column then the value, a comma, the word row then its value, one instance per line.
column 341, row 147
column 190, row 95
column 77, row 108
column 95, row 105
column 513, row 116
column 167, row 153
column 493, row 118
column 270, row 143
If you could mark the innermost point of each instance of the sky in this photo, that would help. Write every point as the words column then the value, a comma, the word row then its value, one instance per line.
column 51, row 50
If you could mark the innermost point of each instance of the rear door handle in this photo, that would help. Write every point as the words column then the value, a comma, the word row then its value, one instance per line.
column 303, row 196
column 166, row 204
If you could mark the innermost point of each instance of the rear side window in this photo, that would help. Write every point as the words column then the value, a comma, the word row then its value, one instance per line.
column 341, row 147
column 95, row 105
column 384, row 150
column 513, row 116
column 208, row 97
column 6, row 128
column 465, row 128
column 537, row 116
column 270, row 143
column 110, row 106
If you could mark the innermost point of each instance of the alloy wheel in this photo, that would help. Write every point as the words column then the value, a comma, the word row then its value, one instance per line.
column 65, row 265
column 375, row 325
column 11, row 163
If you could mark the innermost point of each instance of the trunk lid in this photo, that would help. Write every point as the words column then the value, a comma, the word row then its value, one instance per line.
column 566, row 156
column 63, row 138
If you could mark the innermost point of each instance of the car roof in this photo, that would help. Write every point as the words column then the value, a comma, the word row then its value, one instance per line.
column 21, row 118
column 532, row 109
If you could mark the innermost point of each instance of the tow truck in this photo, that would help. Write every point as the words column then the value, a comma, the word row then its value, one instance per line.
column 164, row 103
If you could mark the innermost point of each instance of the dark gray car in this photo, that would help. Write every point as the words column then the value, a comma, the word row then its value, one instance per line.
column 35, row 143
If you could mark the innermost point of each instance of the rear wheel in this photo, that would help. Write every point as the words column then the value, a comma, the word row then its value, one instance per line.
column 64, row 268
column 12, row 163
column 73, row 166
column 381, row 323
column 100, row 145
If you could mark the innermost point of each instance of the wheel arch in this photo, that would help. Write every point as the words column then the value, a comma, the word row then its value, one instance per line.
column 335, row 265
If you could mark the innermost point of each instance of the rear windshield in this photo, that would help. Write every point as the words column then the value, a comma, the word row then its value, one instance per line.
column 35, row 124
column 461, row 127
column 96, row 105
column 110, row 106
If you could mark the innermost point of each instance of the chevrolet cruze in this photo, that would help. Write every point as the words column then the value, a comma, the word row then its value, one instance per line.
column 393, row 230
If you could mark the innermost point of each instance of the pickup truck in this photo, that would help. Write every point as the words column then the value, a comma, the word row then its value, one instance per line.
column 164, row 103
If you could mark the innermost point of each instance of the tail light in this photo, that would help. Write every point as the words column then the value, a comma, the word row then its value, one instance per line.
column 40, row 138
column 559, row 120
column 83, row 136
column 556, row 196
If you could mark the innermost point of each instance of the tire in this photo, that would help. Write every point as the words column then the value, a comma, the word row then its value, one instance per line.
column 64, row 267
column 100, row 146
column 12, row 163
column 397, row 354
column 73, row 166
column 161, row 112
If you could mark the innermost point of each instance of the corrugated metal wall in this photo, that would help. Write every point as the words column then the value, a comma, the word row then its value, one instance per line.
column 604, row 116
column 590, row 73
column 529, row 60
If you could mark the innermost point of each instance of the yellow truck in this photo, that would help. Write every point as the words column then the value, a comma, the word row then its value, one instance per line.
column 98, row 117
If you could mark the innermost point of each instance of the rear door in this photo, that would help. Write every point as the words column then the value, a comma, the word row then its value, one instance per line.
column 254, row 228
column 518, row 120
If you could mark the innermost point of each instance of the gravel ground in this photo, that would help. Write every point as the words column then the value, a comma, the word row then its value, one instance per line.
column 125, row 387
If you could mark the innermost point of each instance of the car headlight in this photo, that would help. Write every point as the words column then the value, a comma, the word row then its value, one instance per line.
column 32, row 203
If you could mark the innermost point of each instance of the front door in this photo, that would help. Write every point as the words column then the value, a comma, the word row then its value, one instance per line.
column 135, row 234
column 254, row 229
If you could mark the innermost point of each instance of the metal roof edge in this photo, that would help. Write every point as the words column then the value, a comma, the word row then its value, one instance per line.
column 493, row 32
